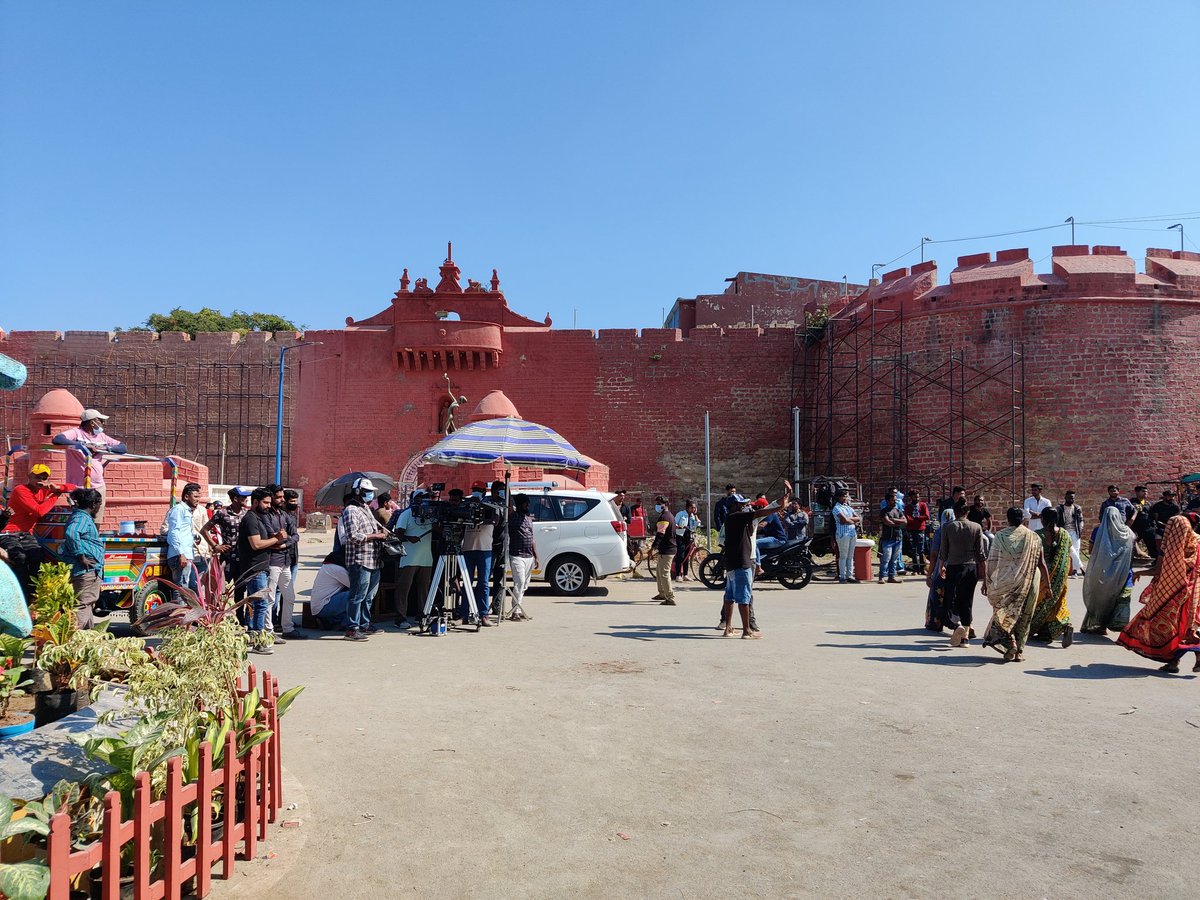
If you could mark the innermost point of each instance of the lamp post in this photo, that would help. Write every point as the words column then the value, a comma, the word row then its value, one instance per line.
column 924, row 241
column 875, row 267
column 279, row 411
column 1178, row 225
column 1070, row 220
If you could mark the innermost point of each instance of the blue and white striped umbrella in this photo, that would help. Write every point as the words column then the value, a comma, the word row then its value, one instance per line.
column 512, row 440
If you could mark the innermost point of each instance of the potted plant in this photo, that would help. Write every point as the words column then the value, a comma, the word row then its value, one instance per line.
column 76, row 661
column 14, row 723
column 28, row 880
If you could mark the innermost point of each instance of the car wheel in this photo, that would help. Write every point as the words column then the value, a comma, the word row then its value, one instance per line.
column 570, row 575
column 712, row 572
column 149, row 597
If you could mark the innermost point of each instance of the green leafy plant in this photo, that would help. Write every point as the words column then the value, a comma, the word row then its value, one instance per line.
column 816, row 319
column 8, row 686
column 132, row 751
column 193, row 671
column 28, row 880
column 207, row 319
column 53, row 595
column 88, row 656
column 73, row 799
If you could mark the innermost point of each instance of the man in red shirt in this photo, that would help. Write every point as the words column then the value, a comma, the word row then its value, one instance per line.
column 29, row 502
column 916, row 518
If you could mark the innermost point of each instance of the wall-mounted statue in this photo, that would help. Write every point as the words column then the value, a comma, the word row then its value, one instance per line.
column 448, row 408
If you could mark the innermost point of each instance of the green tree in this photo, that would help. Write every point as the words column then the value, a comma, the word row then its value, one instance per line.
column 207, row 319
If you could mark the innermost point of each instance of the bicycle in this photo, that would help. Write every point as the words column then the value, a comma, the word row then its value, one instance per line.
column 693, row 559
column 641, row 557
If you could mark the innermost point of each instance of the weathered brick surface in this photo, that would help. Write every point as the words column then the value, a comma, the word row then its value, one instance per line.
column 1110, row 363
column 1111, row 358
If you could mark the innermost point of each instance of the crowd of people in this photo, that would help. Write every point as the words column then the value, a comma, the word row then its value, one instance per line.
column 1020, row 561
column 1022, row 564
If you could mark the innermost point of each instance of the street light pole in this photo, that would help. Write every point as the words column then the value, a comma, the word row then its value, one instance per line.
column 875, row 267
column 924, row 241
column 1179, row 225
column 1070, row 220
column 279, row 410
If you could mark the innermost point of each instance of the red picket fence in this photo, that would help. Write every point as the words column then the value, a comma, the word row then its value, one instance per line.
column 245, row 820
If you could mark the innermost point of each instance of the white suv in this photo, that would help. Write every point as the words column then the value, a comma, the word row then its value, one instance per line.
column 579, row 535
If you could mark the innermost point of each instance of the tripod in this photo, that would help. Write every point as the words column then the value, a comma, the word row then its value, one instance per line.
column 443, row 578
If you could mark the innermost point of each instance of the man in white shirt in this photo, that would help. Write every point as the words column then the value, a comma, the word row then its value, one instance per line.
column 1034, row 507
column 329, row 597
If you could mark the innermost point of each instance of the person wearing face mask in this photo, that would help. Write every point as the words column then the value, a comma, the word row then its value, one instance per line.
column 291, row 506
column 664, row 546
column 361, row 537
column 86, row 446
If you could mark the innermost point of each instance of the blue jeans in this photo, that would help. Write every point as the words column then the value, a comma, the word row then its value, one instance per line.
column 333, row 613
column 185, row 578
column 767, row 544
column 260, row 607
column 479, row 568
column 889, row 559
column 364, row 583
column 739, row 586
column 846, row 557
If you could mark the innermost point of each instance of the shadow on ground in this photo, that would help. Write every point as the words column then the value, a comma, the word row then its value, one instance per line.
column 919, row 647
column 1103, row 670
column 660, row 632
column 966, row 662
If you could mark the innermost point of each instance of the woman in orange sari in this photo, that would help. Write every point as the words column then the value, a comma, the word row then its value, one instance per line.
column 1165, row 628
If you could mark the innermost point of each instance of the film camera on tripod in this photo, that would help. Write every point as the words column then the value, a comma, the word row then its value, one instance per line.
column 451, row 518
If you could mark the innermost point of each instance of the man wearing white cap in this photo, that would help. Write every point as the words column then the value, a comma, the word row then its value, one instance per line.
column 360, row 536
column 86, row 446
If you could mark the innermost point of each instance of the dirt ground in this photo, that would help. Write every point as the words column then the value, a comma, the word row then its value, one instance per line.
column 615, row 747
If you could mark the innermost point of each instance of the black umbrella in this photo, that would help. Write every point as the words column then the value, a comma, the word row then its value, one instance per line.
column 332, row 493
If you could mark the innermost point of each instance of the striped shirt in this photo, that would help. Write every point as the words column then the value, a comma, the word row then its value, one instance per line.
column 357, row 522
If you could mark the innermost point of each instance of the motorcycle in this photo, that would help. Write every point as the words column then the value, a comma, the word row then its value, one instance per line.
column 791, row 565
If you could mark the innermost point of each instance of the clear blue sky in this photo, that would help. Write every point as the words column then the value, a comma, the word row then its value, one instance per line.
column 293, row 157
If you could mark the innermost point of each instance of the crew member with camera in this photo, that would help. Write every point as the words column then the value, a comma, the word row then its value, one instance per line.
column 416, row 568
column 477, row 551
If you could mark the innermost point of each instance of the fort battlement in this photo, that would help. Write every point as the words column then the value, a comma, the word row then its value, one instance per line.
column 1077, row 273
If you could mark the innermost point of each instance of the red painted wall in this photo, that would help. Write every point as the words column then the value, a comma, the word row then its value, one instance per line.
column 1111, row 357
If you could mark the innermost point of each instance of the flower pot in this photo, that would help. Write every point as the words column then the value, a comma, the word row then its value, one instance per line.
column 39, row 680
column 50, row 706
column 7, row 731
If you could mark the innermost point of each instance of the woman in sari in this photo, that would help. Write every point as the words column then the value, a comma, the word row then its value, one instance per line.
column 1015, row 571
column 1108, row 585
column 937, row 615
column 1165, row 627
column 1051, row 619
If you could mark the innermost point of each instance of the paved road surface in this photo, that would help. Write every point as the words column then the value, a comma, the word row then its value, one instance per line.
column 613, row 747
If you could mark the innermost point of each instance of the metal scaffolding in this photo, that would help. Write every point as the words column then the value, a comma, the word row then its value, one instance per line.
column 883, row 413
column 216, row 411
